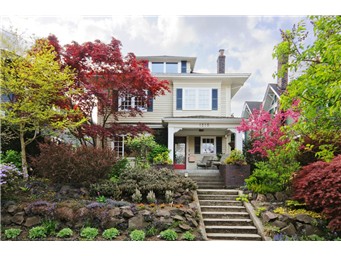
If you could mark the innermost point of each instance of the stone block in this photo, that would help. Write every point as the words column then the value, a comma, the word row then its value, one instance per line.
column 32, row 221
column 269, row 216
column 289, row 230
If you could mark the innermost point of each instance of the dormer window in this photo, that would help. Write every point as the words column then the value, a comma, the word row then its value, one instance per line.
column 165, row 67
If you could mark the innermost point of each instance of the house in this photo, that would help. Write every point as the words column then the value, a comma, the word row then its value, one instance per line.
column 195, row 116
column 273, row 92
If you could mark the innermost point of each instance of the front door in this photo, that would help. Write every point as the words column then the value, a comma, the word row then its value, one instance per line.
column 180, row 153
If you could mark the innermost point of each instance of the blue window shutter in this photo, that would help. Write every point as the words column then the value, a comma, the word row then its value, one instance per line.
column 150, row 103
column 219, row 148
column 178, row 99
column 196, row 145
column 183, row 66
column 214, row 99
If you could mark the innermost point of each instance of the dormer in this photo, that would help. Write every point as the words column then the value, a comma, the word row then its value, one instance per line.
column 169, row 64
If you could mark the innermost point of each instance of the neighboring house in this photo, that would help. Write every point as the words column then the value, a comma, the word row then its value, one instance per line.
column 271, row 98
column 195, row 115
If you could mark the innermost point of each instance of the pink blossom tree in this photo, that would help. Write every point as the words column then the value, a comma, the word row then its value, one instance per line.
column 266, row 131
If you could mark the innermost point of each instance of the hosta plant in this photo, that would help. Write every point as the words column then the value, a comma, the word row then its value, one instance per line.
column 65, row 232
column 89, row 233
column 137, row 235
column 110, row 233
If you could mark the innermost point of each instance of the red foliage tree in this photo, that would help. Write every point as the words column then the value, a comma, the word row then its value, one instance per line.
column 103, row 76
column 265, row 130
column 319, row 186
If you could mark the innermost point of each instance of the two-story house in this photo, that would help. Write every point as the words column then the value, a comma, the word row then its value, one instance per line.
column 196, row 113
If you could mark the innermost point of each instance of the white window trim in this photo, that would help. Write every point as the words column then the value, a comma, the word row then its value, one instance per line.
column 120, row 153
column 133, row 104
column 196, row 98
column 201, row 144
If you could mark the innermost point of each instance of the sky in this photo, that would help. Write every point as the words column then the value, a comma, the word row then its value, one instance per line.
column 248, row 39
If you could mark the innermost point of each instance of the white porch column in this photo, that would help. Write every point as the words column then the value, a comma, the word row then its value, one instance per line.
column 171, row 132
column 238, row 138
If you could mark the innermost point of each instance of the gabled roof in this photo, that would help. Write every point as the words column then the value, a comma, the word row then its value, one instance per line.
column 253, row 105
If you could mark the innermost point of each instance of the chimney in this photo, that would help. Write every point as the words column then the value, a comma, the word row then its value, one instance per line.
column 221, row 62
column 282, row 80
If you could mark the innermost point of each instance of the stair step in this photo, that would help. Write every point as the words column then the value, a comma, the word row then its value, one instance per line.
column 211, row 187
column 219, row 208
column 217, row 197
column 225, row 215
column 223, row 236
column 204, row 202
column 217, row 192
column 231, row 229
column 218, row 179
column 227, row 222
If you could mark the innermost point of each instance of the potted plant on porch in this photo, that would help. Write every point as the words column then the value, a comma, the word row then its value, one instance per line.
column 234, row 170
column 162, row 160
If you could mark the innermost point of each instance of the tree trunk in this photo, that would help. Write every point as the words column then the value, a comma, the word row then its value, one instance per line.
column 23, row 155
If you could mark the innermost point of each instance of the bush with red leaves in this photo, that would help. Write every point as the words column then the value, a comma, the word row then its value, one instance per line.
column 65, row 164
column 319, row 186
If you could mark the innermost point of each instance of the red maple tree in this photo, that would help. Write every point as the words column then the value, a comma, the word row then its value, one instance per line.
column 102, row 77
column 265, row 130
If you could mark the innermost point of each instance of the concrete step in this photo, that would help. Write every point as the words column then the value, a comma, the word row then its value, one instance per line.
column 217, row 192
column 217, row 197
column 231, row 229
column 206, row 179
column 219, row 208
column 244, row 237
column 208, row 186
column 209, row 202
column 225, row 215
column 227, row 222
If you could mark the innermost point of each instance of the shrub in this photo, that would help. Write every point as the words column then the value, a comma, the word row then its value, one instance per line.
column 11, row 156
column 65, row 164
column 65, row 232
column 12, row 233
column 169, row 235
column 243, row 198
column 318, row 186
column 137, row 196
column 110, row 233
column 151, row 197
column 259, row 211
column 236, row 157
column 168, row 196
column 152, row 179
column 9, row 175
column 50, row 226
column 156, row 151
column 188, row 236
column 137, row 235
column 119, row 166
column 37, row 232
column 274, row 175
column 89, row 233
column 152, row 231
column 105, row 188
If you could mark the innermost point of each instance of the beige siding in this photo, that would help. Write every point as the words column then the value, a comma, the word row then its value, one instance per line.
column 162, row 107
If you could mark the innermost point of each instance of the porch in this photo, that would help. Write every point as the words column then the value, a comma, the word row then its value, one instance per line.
column 192, row 138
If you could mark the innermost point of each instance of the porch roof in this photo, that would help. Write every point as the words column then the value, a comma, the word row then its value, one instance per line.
column 202, row 121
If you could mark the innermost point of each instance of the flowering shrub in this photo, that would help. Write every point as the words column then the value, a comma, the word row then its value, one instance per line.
column 265, row 130
column 10, row 178
column 318, row 185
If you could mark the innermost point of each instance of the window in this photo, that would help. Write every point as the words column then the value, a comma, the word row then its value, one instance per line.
column 164, row 67
column 129, row 102
column 197, row 99
column 208, row 145
column 118, row 145
column 171, row 67
column 157, row 67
